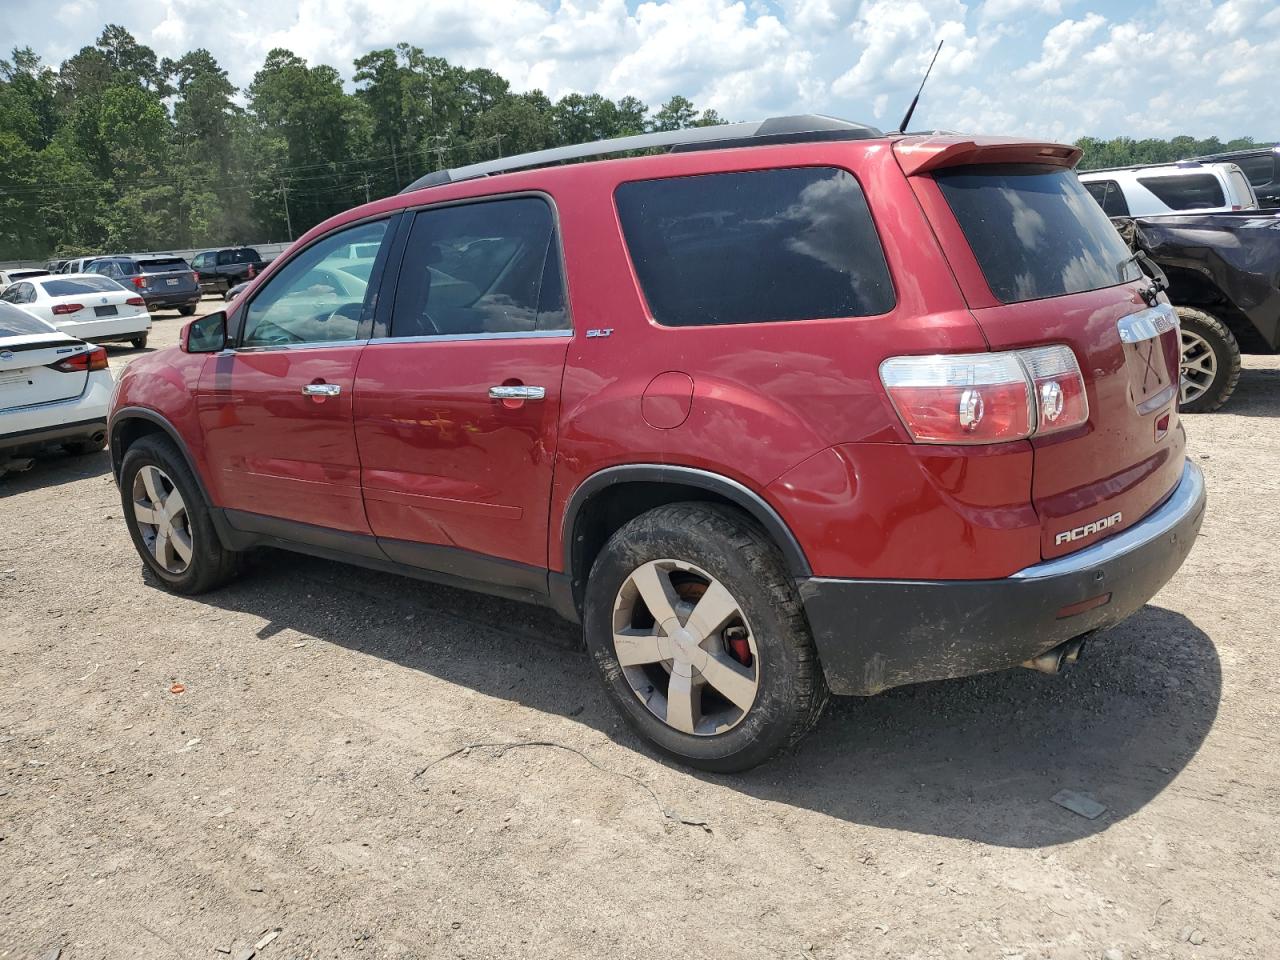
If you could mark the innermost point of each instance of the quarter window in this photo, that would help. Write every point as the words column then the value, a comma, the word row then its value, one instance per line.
column 477, row 268
column 320, row 296
column 1109, row 197
column 788, row 244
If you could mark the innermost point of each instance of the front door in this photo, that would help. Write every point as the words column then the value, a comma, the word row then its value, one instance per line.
column 276, row 408
column 456, row 409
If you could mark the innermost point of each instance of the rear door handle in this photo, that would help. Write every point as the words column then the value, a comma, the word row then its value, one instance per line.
column 321, row 390
column 517, row 393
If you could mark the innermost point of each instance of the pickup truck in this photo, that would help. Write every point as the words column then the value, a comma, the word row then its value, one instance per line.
column 220, row 270
column 1222, row 274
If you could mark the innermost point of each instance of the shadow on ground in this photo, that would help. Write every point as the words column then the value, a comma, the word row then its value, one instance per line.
column 52, row 468
column 974, row 758
column 1257, row 394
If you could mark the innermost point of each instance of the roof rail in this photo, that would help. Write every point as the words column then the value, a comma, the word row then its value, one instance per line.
column 1185, row 164
column 754, row 133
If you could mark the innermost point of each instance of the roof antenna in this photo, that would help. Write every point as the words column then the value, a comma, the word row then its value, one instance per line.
column 902, row 127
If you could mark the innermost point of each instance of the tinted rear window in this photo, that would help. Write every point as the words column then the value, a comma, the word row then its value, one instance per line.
column 19, row 323
column 1187, row 192
column 789, row 244
column 1035, row 231
column 163, row 266
column 73, row 288
column 1260, row 168
column 249, row 255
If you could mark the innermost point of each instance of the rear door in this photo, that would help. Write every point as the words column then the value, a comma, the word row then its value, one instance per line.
column 275, row 408
column 457, row 404
column 1040, row 264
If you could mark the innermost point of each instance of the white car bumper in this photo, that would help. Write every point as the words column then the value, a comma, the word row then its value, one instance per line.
column 108, row 328
column 80, row 418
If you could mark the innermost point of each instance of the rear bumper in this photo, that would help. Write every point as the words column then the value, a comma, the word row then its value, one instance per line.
column 11, row 443
column 165, row 298
column 77, row 418
column 876, row 634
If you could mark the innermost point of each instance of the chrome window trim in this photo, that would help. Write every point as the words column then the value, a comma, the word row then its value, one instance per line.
column 262, row 348
column 1147, row 324
column 456, row 337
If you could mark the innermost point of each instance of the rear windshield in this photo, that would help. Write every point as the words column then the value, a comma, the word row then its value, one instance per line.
column 19, row 323
column 788, row 244
column 1186, row 192
column 163, row 266
column 1260, row 168
column 73, row 288
column 244, row 255
column 1035, row 231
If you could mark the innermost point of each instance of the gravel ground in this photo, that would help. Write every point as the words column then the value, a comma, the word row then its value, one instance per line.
column 283, row 789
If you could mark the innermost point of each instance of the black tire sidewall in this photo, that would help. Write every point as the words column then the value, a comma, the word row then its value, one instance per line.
column 1226, row 354
column 205, row 568
column 776, row 713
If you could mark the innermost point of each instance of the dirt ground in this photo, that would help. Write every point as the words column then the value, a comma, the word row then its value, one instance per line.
column 281, row 789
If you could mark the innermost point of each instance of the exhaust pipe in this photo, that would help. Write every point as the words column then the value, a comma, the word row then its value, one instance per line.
column 99, row 436
column 1053, row 659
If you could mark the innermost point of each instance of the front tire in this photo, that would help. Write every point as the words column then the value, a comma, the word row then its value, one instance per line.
column 168, row 519
column 700, row 637
column 1210, row 367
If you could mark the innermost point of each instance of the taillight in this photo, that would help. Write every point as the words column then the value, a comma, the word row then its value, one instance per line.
column 136, row 302
column 139, row 281
column 95, row 359
column 987, row 397
column 251, row 273
column 195, row 275
column 62, row 309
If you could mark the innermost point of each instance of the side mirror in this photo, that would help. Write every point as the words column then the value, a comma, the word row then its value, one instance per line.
column 206, row 335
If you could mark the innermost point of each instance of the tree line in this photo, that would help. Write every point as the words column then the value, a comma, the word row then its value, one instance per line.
column 117, row 149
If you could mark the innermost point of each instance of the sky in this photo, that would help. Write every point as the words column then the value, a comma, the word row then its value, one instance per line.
column 1057, row 69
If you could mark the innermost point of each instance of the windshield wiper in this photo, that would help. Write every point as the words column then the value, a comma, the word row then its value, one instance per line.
column 1146, row 266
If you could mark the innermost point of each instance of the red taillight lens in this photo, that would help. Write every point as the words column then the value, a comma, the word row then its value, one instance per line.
column 986, row 397
column 95, row 359
column 136, row 302
column 1058, row 385
column 195, row 275
column 139, row 282
column 252, row 273
column 62, row 309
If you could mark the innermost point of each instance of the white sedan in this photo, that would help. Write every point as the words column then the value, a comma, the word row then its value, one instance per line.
column 54, row 389
column 84, row 305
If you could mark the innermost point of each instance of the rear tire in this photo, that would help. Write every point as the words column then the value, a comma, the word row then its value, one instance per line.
column 206, row 563
column 1210, row 367
column 187, row 311
column 700, row 695
column 139, row 343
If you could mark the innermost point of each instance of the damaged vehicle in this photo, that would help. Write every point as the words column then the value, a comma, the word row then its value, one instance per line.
column 1222, row 274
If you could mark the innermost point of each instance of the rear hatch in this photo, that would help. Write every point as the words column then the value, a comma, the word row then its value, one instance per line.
column 171, row 275
column 1040, row 263
column 28, row 355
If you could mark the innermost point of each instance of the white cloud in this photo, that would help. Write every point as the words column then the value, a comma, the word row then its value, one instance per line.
column 1048, row 68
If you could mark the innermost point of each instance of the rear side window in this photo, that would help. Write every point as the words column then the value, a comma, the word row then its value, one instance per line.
column 1260, row 168
column 1109, row 197
column 477, row 268
column 1035, row 231
column 74, row 288
column 163, row 266
column 1186, row 192
column 791, row 244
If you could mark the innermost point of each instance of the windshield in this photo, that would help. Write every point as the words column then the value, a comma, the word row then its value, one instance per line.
column 73, row 288
column 1035, row 231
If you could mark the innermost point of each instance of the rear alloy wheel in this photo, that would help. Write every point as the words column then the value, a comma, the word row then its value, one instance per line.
column 169, row 521
column 1210, row 366
column 700, row 637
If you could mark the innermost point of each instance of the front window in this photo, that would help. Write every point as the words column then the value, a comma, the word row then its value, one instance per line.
column 1035, row 231
column 319, row 296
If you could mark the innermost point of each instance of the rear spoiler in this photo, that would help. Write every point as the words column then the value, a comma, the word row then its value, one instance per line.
column 921, row 155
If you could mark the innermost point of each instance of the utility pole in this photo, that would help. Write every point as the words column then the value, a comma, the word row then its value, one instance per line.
column 284, row 191
column 396, row 162
column 366, row 188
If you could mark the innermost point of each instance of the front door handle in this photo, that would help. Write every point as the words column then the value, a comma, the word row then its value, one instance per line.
column 321, row 390
column 517, row 393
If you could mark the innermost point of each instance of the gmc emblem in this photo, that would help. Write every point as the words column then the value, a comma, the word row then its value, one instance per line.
column 1088, row 530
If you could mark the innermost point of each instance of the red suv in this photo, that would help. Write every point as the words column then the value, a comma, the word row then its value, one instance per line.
column 787, row 408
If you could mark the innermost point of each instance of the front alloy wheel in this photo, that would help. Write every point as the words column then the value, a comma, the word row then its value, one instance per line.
column 685, row 647
column 162, row 519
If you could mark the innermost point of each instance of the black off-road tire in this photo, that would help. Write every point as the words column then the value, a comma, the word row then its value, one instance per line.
column 139, row 343
column 733, row 549
column 211, row 565
column 1226, row 352
column 187, row 311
